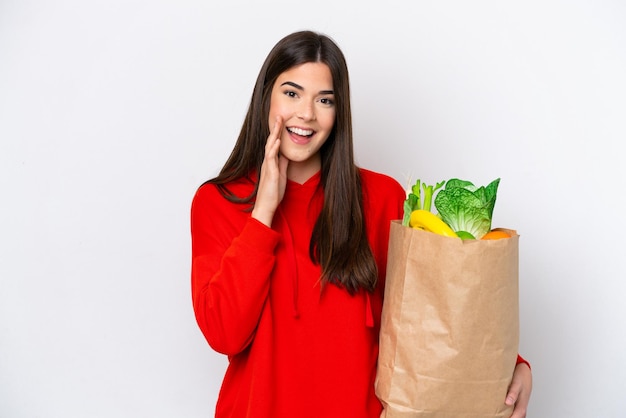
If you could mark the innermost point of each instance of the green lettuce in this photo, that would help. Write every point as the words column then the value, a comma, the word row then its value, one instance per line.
column 465, row 207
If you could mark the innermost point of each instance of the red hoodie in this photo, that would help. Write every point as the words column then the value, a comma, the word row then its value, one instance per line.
column 295, row 349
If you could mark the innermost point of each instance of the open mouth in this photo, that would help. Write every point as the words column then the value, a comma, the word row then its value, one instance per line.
column 301, row 132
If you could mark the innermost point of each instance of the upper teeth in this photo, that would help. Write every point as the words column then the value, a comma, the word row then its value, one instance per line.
column 302, row 132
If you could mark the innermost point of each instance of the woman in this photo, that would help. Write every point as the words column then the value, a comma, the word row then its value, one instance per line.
column 289, row 247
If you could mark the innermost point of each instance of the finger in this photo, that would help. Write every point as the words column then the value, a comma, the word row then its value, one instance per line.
column 517, row 384
column 521, row 386
column 277, row 128
column 521, row 404
column 273, row 140
column 520, row 409
column 513, row 394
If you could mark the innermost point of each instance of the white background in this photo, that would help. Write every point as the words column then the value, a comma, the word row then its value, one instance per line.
column 112, row 113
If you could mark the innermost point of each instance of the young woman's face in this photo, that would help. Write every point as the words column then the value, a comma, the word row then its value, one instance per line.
column 303, row 97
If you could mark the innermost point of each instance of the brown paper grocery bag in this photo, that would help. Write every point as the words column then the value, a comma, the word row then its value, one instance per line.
column 450, row 326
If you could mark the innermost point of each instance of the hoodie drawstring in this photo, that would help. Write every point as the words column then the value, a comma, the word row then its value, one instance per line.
column 291, row 258
column 293, row 268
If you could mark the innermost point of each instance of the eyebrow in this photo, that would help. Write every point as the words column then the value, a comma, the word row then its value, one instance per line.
column 299, row 87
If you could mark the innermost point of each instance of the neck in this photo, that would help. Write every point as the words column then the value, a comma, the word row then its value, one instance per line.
column 301, row 171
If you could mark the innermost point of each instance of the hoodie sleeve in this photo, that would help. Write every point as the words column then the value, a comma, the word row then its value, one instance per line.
column 232, row 259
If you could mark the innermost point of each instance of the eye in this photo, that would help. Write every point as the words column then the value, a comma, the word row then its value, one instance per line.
column 327, row 101
column 290, row 93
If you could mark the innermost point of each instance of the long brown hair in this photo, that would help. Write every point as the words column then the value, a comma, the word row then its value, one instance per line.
column 339, row 240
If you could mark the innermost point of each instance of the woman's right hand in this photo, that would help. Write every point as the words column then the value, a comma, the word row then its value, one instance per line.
column 273, row 177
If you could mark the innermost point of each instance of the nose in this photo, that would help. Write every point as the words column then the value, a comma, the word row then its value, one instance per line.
column 306, row 111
